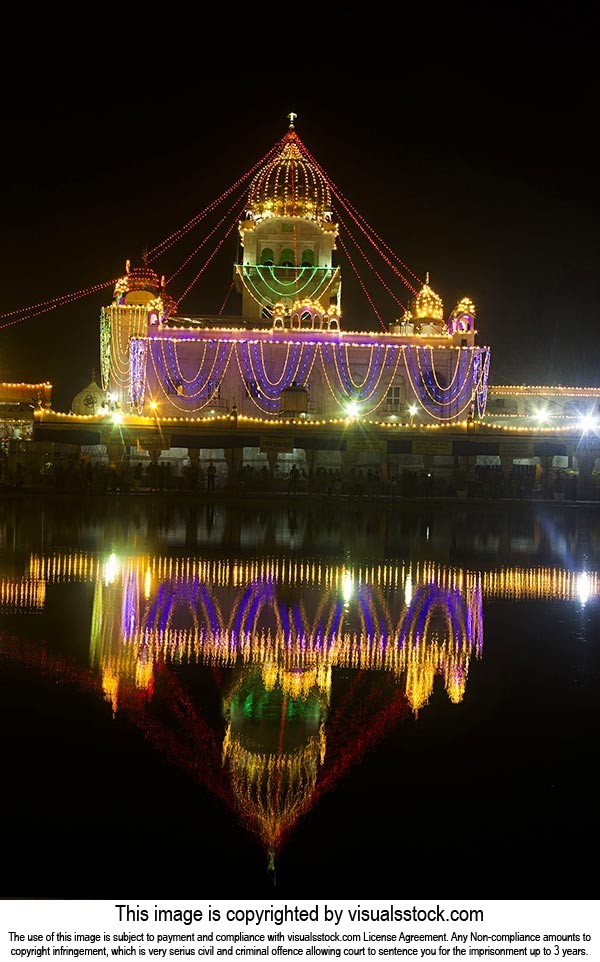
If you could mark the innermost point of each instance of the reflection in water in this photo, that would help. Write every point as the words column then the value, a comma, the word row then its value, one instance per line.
column 271, row 685
column 284, row 627
column 276, row 631
column 312, row 663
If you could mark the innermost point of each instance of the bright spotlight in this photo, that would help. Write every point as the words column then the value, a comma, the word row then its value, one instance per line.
column 352, row 409
column 111, row 569
column 584, row 588
column 541, row 415
column 587, row 422
column 117, row 417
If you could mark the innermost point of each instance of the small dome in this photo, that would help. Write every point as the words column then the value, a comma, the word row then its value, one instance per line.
column 89, row 400
column 428, row 305
column 290, row 186
column 462, row 317
column 143, row 279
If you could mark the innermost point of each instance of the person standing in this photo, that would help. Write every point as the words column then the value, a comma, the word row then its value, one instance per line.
column 293, row 480
column 211, row 473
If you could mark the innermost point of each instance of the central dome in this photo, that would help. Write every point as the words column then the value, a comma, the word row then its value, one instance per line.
column 290, row 186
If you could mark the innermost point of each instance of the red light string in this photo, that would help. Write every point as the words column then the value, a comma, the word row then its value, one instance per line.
column 208, row 260
column 26, row 313
column 168, row 242
column 369, row 264
column 350, row 207
column 361, row 282
column 227, row 296
column 209, row 235
column 384, row 256
column 357, row 218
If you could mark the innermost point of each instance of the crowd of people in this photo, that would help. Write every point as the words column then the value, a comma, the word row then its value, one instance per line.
column 88, row 476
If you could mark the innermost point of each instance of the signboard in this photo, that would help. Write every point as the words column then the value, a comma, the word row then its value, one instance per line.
column 153, row 439
column 281, row 444
column 515, row 449
column 359, row 445
column 431, row 446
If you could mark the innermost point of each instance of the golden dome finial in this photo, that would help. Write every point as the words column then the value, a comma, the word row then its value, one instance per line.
column 291, row 117
column 428, row 305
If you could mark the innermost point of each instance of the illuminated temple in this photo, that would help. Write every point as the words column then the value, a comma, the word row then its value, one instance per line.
column 285, row 381
column 289, row 352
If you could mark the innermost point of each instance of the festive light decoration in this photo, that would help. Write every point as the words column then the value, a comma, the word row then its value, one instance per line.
column 370, row 265
column 206, row 238
column 287, row 282
column 362, row 284
column 289, row 186
column 539, row 582
column 428, row 304
column 43, row 307
column 365, row 229
column 462, row 317
column 173, row 238
column 466, row 385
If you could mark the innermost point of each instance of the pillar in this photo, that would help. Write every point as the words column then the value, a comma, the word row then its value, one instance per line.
column 233, row 460
column 349, row 460
column 272, row 461
column 115, row 451
column 585, row 465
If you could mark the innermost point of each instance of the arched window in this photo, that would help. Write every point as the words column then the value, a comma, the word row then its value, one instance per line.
column 287, row 257
column 308, row 258
column 267, row 257
column 306, row 319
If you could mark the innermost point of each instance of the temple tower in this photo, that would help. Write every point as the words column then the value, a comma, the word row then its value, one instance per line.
column 287, row 278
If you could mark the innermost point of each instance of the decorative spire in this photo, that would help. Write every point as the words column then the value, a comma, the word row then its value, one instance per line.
column 427, row 277
column 291, row 117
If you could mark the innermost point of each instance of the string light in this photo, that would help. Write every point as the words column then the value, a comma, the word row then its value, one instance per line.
column 44, row 307
column 370, row 265
column 362, row 284
column 168, row 242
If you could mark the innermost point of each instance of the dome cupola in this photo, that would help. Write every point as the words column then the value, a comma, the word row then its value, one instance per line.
column 428, row 305
column 290, row 185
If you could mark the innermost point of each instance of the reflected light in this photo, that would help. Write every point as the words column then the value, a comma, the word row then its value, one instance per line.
column 347, row 586
column 111, row 569
column 584, row 588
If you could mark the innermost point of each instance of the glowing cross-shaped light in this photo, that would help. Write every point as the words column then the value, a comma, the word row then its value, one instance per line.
column 587, row 422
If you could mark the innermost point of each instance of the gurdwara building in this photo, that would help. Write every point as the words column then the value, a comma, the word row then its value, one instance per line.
column 289, row 353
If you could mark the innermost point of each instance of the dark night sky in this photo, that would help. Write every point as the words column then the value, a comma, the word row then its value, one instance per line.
column 482, row 173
